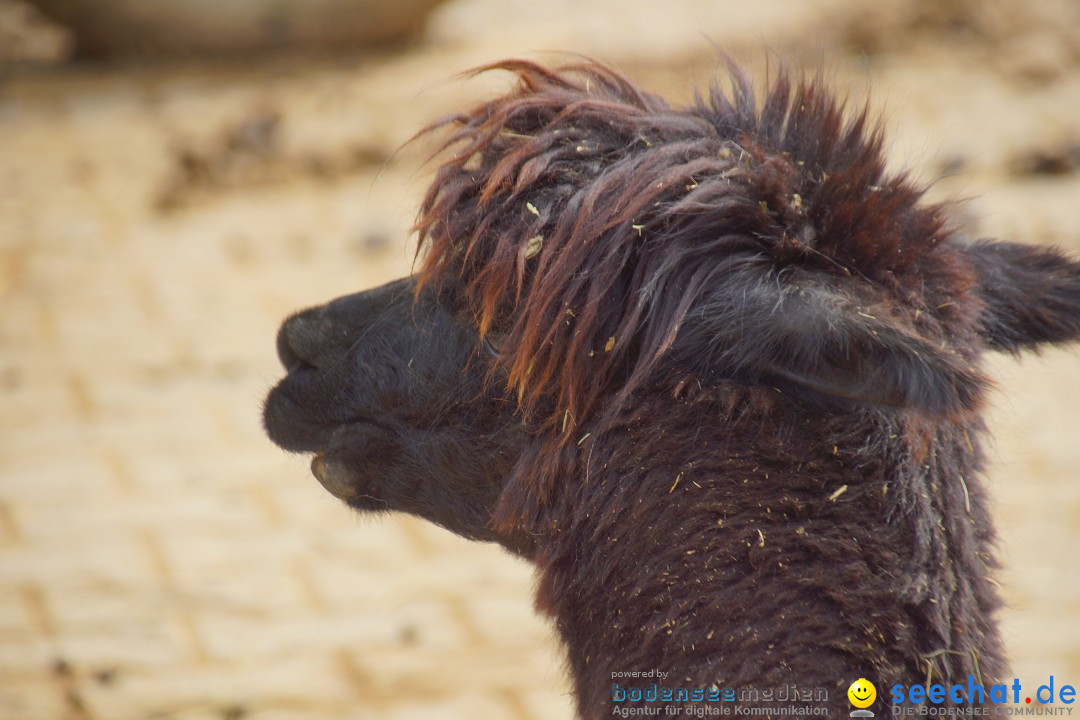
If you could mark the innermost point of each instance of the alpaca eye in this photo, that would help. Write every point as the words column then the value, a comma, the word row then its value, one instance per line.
column 492, row 343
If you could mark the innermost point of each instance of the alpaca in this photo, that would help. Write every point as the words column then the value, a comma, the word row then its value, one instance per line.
column 713, row 369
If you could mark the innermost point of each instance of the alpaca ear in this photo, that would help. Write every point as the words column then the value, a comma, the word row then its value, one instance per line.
column 1032, row 295
column 806, row 334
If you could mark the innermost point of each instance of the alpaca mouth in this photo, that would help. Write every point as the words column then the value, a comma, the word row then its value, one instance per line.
column 291, row 425
column 294, row 421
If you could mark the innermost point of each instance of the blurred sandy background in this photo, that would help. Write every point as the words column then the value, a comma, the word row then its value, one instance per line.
column 160, row 559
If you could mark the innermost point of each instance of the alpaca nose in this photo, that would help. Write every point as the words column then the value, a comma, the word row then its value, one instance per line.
column 320, row 337
column 305, row 341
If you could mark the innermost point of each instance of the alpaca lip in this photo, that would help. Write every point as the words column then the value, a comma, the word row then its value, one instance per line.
column 330, row 480
column 293, row 424
column 318, row 465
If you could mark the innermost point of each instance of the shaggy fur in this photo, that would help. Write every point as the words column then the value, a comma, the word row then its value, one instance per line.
column 712, row 368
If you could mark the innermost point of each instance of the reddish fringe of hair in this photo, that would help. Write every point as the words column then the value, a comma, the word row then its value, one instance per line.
column 579, row 215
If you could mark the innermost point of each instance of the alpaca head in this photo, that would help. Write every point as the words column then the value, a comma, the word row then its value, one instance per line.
column 388, row 389
column 583, row 242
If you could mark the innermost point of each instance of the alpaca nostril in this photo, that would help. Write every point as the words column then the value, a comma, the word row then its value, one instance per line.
column 288, row 357
column 301, row 341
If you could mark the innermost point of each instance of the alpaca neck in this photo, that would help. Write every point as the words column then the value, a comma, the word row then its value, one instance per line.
column 782, row 558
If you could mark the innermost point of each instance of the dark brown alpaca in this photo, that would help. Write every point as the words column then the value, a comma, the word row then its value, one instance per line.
column 711, row 368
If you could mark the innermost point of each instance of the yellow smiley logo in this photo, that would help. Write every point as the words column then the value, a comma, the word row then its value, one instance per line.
column 862, row 693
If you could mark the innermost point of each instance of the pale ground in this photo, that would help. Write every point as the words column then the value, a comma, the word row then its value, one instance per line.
column 160, row 559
